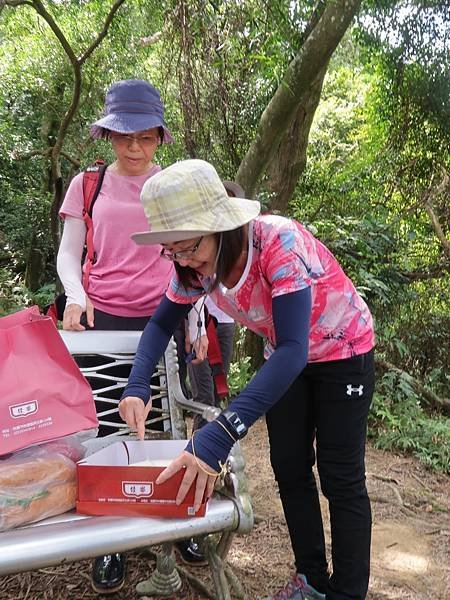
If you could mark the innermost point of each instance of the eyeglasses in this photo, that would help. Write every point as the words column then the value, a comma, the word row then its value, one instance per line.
column 182, row 254
column 143, row 140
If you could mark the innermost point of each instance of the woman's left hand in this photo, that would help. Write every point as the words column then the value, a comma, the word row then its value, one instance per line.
column 195, row 470
column 201, row 349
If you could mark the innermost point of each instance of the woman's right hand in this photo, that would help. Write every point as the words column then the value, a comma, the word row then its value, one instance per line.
column 72, row 316
column 134, row 412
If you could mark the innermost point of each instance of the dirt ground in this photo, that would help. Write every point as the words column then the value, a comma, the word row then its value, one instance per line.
column 410, row 548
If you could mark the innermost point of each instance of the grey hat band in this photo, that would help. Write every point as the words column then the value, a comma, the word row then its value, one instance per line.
column 135, row 108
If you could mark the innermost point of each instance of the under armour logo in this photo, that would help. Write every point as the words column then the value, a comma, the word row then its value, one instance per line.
column 351, row 389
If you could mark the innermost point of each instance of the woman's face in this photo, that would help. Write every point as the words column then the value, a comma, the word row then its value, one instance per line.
column 135, row 151
column 197, row 253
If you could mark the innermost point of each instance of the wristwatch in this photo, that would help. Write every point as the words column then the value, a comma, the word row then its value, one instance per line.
column 233, row 423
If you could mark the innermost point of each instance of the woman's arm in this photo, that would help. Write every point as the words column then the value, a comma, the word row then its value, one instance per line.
column 210, row 446
column 69, row 271
column 291, row 315
column 152, row 345
column 68, row 262
column 213, row 442
column 134, row 404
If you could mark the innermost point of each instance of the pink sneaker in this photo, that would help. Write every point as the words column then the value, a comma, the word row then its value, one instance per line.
column 297, row 589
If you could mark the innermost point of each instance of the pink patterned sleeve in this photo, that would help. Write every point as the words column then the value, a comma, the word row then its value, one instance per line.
column 289, row 260
column 181, row 295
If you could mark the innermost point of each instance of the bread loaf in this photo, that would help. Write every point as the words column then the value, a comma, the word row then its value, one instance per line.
column 20, row 473
column 30, row 506
column 35, row 483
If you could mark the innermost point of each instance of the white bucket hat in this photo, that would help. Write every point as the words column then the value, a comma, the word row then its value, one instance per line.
column 187, row 200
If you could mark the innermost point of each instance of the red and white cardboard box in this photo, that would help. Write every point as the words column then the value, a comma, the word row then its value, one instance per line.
column 109, row 483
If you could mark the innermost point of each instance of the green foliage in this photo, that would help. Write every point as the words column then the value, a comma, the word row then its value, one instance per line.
column 44, row 296
column 239, row 375
column 411, row 87
column 414, row 333
column 25, row 224
column 226, row 59
column 37, row 88
column 380, row 134
column 13, row 294
column 364, row 248
column 240, row 371
column 398, row 422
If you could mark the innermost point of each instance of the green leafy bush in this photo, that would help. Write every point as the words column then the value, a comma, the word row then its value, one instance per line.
column 240, row 371
column 13, row 294
column 398, row 422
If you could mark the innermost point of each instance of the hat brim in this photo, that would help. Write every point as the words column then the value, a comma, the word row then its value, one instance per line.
column 246, row 211
column 129, row 123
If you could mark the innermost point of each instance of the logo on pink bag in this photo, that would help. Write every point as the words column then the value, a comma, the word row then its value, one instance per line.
column 23, row 410
column 137, row 489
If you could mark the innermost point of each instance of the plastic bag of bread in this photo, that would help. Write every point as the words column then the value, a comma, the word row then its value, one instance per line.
column 38, row 482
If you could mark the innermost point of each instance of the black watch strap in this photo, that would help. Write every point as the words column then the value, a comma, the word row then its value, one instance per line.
column 233, row 423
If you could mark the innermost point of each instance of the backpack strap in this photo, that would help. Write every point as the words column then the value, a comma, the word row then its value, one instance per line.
column 215, row 360
column 92, row 183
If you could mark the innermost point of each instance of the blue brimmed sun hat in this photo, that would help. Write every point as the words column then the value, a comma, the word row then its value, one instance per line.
column 131, row 105
column 187, row 200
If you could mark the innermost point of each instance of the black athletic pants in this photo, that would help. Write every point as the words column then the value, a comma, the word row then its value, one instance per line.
column 327, row 403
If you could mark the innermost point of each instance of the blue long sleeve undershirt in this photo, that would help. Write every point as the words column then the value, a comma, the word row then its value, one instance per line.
column 291, row 317
column 151, row 347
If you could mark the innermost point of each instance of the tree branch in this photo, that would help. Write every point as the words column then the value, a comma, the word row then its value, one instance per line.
column 4, row 3
column 40, row 9
column 313, row 20
column 151, row 39
column 433, row 272
column 115, row 7
column 32, row 153
column 443, row 404
column 73, row 161
column 47, row 152
column 431, row 193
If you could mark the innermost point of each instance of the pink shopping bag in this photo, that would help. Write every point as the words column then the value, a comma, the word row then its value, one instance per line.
column 43, row 394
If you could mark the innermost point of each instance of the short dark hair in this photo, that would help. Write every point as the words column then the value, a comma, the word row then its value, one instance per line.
column 234, row 190
column 231, row 248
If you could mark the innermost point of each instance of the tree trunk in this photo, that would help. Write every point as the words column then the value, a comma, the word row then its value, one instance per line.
column 289, row 162
column 253, row 347
column 285, row 123
column 294, row 89
column 188, row 92
column 35, row 266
